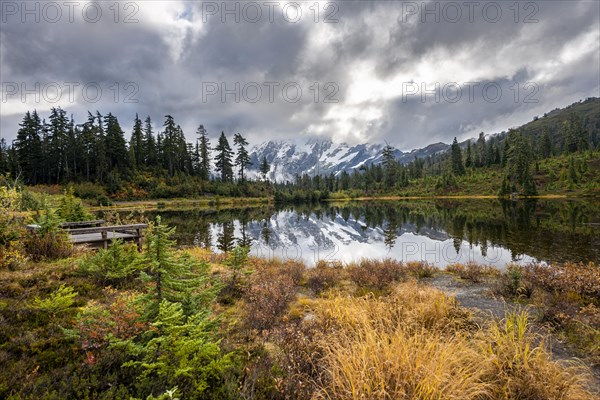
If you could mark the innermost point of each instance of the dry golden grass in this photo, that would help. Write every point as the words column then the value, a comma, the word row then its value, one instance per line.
column 417, row 343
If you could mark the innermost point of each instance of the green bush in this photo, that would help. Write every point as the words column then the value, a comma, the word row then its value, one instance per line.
column 71, row 209
column 114, row 266
column 88, row 190
column 58, row 302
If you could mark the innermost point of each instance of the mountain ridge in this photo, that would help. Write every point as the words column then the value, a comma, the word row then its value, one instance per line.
column 289, row 158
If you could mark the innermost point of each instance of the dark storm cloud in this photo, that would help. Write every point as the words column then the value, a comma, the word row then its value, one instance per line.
column 375, row 48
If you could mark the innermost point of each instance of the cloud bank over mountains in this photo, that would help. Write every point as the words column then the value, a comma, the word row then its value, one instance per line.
column 406, row 73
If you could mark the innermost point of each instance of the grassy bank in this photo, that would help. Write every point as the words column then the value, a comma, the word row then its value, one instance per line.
column 192, row 324
column 370, row 329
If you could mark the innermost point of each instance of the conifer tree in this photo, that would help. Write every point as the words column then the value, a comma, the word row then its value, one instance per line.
column 545, row 144
column 469, row 156
column 265, row 167
column 28, row 148
column 457, row 165
column 242, row 159
column 223, row 159
column 150, row 146
column 116, row 149
column 136, row 144
column 203, row 153
column 171, row 277
column 389, row 165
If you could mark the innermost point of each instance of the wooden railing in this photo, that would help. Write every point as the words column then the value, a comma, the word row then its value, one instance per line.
column 82, row 224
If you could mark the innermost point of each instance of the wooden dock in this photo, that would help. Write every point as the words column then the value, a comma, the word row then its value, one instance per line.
column 102, row 235
column 92, row 233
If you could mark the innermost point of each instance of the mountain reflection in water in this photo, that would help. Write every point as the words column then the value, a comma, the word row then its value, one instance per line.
column 445, row 231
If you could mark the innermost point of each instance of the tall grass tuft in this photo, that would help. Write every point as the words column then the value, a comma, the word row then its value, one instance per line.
column 417, row 343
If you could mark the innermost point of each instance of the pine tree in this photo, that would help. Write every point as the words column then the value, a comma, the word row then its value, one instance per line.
column 4, row 165
column 265, row 167
column 72, row 151
column 171, row 277
column 223, row 159
column 116, row 149
column 203, row 153
column 545, row 144
column 179, row 355
column 518, row 160
column 56, row 144
column 469, row 159
column 456, row 159
column 136, row 144
column 150, row 146
column 169, row 144
column 481, row 160
column 28, row 148
column 572, row 171
column 390, row 166
column 86, row 146
column 242, row 159
column 505, row 152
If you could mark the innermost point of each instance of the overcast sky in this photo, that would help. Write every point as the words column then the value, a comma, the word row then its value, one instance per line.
column 351, row 71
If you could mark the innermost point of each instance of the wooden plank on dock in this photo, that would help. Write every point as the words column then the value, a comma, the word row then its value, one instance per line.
column 104, row 234
column 114, row 228
column 82, row 224
column 97, row 237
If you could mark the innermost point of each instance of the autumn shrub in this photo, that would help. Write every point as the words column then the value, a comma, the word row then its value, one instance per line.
column 88, row 190
column 324, row 276
column 420, row 269
column 47, row 241
column 513, row 283
column 472, row 271
column 568, row 296
column 47, row 246
column 118, row 316
column 374, row 274
column 270, row 289
column 579, row 278
column 299, row 358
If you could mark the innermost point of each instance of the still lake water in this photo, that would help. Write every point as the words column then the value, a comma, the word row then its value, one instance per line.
column 443, row 231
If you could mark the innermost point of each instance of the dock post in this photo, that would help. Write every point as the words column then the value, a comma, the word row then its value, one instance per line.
column 138, row 239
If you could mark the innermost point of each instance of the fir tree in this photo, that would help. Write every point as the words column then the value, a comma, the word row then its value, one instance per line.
column 150, row 146
column 545, row 144
column 265, row 167
column 116, row 150
column 456, row 159
column 223, row 159
column 469, row 156
column 203, row 153
column 28, row 148
column 242, row 159
column 171, row 277
column 390, row 166
column 136, row 144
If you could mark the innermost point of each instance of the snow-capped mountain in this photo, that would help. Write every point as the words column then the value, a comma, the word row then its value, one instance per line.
column 288, row 158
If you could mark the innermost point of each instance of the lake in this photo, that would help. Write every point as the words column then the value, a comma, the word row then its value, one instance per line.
column 444, row 231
